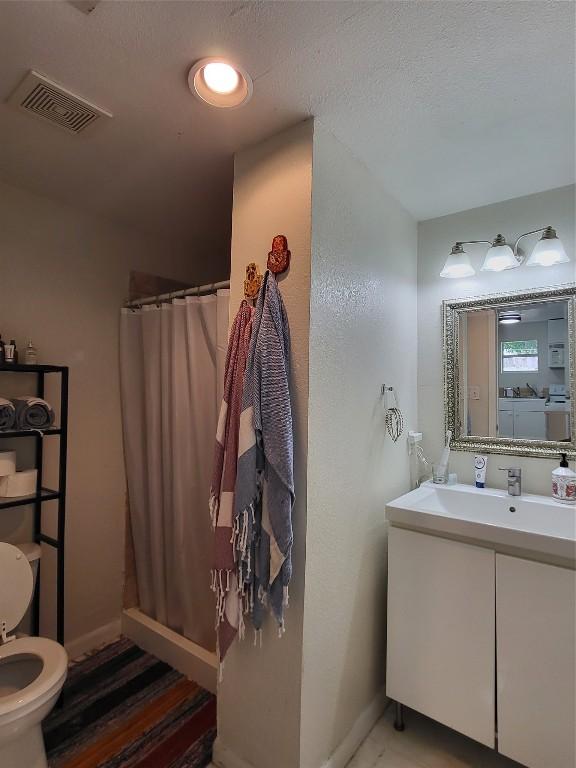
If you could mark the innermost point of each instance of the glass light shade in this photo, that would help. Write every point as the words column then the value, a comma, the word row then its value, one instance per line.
column 547, row 252
column 458, row 265
column 498, row 258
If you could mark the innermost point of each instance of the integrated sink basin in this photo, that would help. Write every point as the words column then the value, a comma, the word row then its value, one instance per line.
column 527, row 522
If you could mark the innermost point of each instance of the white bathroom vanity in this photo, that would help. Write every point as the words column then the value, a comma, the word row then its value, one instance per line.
column 482, row 617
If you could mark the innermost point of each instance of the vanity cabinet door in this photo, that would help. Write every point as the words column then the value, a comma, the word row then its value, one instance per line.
column 440, row 653
column 536, row 649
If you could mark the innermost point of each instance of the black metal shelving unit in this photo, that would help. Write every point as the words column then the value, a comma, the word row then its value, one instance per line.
column 45, row 494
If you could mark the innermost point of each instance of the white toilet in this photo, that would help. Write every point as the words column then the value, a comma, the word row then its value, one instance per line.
column 32, row 669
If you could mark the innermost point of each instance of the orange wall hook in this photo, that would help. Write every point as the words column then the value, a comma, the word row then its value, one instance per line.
column 252, row 282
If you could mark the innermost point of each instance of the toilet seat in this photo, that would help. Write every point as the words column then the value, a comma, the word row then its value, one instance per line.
column 54, row 667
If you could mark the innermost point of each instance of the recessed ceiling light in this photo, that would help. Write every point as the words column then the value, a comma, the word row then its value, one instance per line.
column 220, row 77
column 219, row 83
column 509, row 318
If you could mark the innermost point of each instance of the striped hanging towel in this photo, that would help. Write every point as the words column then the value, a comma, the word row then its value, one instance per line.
column 265, row 480
column 229, row 609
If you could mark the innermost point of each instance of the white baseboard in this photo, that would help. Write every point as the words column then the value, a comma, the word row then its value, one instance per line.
column 223, row 757
column 187, row 657
column 359, row 731
column 94, row 639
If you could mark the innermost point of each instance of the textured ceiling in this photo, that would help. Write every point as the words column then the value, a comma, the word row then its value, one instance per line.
column 450, row 104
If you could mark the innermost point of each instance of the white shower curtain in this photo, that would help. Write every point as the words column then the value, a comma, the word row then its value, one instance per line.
column 172, row 368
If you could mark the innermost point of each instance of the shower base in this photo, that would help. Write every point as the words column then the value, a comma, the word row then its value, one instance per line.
column 187, row 657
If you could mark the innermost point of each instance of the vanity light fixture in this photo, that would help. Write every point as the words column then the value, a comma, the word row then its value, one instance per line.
column 220, row 84
column 548, row 252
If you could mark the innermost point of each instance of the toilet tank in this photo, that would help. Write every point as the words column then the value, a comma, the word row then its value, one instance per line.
column 33, row 553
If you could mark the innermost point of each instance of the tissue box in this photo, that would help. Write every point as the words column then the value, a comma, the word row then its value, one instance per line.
column 7, row 463
column 19, row 484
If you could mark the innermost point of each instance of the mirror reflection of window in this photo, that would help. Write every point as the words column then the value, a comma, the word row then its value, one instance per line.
column 519, row 356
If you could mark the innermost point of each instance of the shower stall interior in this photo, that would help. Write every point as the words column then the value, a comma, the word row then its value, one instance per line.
column 172, row 357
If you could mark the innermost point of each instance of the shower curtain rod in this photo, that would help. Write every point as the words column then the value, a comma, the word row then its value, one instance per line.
column 197, row 290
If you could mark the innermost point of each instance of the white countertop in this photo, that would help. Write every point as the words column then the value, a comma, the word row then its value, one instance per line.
column 529, row 522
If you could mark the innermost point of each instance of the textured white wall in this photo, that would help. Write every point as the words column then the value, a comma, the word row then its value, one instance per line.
column 292, row 703
column 259, row 699
column 435, row 238
column 362, row 334
column 64, row 276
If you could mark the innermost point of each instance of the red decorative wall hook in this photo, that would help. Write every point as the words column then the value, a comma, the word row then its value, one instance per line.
column 279, row 256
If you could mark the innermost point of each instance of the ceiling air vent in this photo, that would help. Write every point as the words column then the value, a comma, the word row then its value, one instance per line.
column 45, row 99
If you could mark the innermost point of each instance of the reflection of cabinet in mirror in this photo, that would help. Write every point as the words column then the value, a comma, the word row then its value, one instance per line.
column 522, row 418
column 556, row 343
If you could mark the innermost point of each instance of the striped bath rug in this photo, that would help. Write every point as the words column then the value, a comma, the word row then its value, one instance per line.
column 123, row 708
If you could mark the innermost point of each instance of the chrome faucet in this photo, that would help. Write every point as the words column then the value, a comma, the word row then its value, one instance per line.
column 514, row 480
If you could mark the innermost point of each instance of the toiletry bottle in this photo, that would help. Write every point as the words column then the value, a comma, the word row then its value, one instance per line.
column 480, row 462
column 10, row 353
column 31, row 354
column 564, row 482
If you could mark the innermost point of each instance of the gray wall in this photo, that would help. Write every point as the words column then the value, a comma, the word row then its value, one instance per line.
column 435, row 238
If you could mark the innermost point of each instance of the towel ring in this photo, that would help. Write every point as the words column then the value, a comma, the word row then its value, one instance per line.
column 394, row 418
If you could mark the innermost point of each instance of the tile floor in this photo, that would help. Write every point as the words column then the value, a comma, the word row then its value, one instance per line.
column 424, row 744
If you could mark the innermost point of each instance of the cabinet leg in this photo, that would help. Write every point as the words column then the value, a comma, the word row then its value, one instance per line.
column 398, row 716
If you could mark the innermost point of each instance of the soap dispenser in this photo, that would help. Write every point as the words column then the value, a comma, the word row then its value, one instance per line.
column 564, row 482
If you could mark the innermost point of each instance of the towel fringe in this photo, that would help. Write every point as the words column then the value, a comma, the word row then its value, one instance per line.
column 241, row 623
column 214, row 506
column 220, row 585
